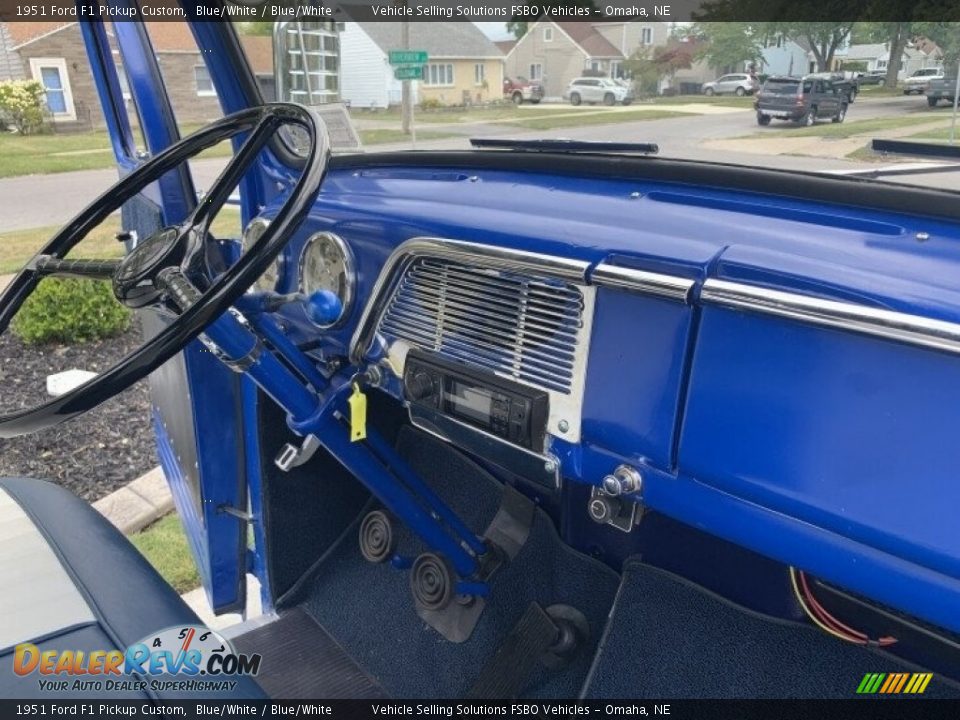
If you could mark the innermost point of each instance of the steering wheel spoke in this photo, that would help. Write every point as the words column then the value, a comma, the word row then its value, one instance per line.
column 45, row 265
column 232, row 174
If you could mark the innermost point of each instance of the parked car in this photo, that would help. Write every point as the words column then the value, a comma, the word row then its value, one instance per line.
column 735, row 84
column 941, row 88
column 519, row 90
column 917, row 83
column 596, row 90
column 873, row 77
column 804, row 100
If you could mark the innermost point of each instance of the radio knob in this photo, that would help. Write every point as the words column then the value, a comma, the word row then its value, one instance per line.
column 420, row 386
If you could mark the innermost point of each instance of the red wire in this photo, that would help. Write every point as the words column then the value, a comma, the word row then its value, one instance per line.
column 829, row 619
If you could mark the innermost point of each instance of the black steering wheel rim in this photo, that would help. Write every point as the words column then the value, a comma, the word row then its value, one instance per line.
column 216, row 299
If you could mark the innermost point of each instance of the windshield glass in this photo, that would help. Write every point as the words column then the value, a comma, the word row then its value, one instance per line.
column 781, row 87
column 695, row 89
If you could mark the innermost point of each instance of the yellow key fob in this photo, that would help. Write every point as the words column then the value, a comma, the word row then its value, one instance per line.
column 358, row 414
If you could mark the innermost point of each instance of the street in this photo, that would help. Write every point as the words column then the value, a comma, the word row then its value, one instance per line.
column 46, row 200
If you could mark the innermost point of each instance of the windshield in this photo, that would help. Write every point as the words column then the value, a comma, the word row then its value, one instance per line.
column 673, row 84
column 781, row 87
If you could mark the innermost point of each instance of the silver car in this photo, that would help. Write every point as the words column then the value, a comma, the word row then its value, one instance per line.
column 598, row 90
column 735, row 83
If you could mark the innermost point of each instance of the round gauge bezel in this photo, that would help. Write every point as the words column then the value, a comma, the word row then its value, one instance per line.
column 278, row 261
column 349, row 268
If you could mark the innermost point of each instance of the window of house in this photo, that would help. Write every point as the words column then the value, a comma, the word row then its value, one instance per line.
column 881, row 64
column 536, row 71
column 52, row 74
column 548, row 34
column 205, row 86
column 438, row 74
column 479, row 74
column 646, row 36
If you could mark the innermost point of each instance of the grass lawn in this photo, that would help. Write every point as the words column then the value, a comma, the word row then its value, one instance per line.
column 861, row 127
column 879, row 91
column 722, row 101
column 164, row 544
column 601, row 117
column 389, row 135
column 938, row 134
column 18, row 246
column 55, row 153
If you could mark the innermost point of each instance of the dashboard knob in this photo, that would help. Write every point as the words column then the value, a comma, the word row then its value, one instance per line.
column 602, row 509
column 420, row 386
column 323, row 307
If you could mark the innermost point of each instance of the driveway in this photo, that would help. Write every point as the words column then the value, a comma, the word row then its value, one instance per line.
column 33, row 201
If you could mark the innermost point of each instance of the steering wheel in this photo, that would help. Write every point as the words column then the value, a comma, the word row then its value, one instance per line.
column 170, row 269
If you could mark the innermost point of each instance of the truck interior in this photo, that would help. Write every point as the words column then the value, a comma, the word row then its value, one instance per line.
column 533, row 420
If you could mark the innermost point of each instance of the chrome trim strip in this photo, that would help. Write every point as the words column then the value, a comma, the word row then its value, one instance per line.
column 489, row 256
column 650, row 283
column 888, row 324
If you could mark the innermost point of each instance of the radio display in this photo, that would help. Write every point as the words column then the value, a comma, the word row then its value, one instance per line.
column 470, row 401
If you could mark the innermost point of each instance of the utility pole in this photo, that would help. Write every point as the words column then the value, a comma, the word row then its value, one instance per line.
column 406, row 97
column 956, row 99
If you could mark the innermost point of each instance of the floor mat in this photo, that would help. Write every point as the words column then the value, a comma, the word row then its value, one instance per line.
column 301, row 661
column 685, row 642
column 369, row 609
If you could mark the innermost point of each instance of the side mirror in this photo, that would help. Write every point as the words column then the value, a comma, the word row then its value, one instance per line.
column 306, row 62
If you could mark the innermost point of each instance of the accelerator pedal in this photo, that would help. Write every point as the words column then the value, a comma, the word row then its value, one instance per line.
column 541, row 637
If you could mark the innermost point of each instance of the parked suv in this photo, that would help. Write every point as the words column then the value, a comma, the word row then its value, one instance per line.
column 519, row 90
column 920, row 79
column 736, row 83
column 941, row 88
column 803, row 100
column 595, row 90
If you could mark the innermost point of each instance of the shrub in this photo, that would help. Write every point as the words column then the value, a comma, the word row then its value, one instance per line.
column 430, row 104
column 21, row 105
column 70, row 310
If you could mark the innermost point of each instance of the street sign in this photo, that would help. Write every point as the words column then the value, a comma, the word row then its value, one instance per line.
column 408, row 57
column 408, row 72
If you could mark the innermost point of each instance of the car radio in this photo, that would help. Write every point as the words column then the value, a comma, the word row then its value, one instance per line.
column 508, row 410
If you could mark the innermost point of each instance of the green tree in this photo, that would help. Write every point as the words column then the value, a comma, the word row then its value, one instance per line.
column 727, row 46
column 947, row 36
column 255, row 27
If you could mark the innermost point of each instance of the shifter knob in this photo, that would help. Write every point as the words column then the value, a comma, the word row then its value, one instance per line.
column 323, row 307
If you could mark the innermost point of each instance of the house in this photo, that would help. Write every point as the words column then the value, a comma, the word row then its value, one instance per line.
column 876, row 56
column 557, row 52
column 463, row 65
column 54, row 54
column 783, row 56
column 10, row 66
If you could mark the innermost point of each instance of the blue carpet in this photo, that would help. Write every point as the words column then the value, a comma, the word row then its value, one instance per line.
column 684, row 642
column 378, row 625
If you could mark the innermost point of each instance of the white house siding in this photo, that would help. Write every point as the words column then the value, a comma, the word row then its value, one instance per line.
column 365, row 73
column 787, row 59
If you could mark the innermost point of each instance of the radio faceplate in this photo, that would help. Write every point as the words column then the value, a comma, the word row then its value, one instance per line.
column 508, row 410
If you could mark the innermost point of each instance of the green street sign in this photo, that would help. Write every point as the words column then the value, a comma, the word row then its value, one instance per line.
column 409, row 72
column 408, row 57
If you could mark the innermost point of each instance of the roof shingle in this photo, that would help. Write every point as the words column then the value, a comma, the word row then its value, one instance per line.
column 439, row 39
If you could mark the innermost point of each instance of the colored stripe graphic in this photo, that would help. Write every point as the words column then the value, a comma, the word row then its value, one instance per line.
column 894, row 683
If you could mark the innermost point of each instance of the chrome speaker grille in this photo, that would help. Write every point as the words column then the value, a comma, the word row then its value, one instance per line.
column 525, row 328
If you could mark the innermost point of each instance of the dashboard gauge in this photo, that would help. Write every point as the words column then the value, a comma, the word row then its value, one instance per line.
column 268, row 281
column 327, row 264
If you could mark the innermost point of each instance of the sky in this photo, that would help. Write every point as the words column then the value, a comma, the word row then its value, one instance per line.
column 495, row 30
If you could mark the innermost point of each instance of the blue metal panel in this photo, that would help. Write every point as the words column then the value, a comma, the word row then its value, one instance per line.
column 852, row 434
column 633, row 388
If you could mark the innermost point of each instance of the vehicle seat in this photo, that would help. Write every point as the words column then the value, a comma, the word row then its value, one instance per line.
column 71, row 581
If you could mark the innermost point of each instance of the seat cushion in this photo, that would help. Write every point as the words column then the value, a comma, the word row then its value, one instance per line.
column 72, row 581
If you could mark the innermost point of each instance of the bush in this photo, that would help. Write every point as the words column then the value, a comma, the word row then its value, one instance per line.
column 430, row 104
column 21, row 105
column 69, row 310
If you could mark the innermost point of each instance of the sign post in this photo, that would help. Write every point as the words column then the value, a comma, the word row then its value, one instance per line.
column 407, row 65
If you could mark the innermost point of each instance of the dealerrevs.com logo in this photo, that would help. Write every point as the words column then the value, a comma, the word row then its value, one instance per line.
column 186, row 658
